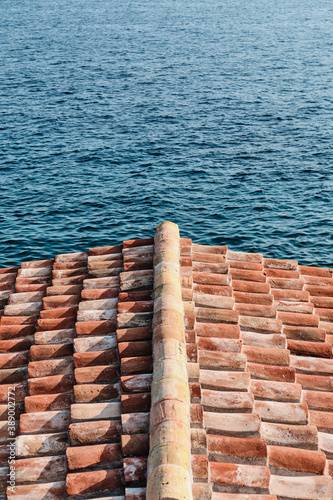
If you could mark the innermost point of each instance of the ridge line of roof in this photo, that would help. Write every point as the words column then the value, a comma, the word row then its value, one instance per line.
column 169, row 470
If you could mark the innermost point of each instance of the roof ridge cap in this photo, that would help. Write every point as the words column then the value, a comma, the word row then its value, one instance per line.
column 169, row 470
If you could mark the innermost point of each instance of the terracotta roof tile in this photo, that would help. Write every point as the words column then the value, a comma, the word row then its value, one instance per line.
column 223, row 358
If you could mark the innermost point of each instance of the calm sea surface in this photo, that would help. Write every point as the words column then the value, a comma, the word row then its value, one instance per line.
column 117, row 115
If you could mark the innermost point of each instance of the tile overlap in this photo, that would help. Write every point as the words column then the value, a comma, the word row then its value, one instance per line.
column 160, row 368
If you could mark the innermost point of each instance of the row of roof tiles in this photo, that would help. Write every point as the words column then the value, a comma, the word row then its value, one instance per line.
column 255, row 339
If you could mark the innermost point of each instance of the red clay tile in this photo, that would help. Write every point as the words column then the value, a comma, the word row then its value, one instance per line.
column 238, row 264
column 40, row 469
column 266, row 355
column 206, row 315
column 55, row 336
column 295, row 459
column 93, row 481
column 276, row 340
column 292, row 295
column 114, row 249
column 30, row 288
column 228, row 401
column 46, row 403
column 54, row 491
column 212, row 279
column 325, row 314
column 95, row 358
column 64, row 290
column 63, row 312
column 102, row 431
column 262, row 311
column 20, row 388
column 253, row 323
column 216, row 301
column 136, row 383
column 251, row 287
column 276, row 391
column 89, row 393
column 135, row 470
column 225, row 330
column 304, row 333
column 222, row 446
column 271, row 372
column 300, row 436
column 50, row 385
column 302, row 487
column 293, row 318
column 216, row 344
column 281, row 273
column 207, row 257
column 46, row 421
column 199, row 465
column 240, row 475
column 323, row 420
column 131, row 403
column 14, row 359
column 318, row 281
column 55, row 324
column 282, row 412
column 100, row 293
column 320, row 291
column 318, row 400
column 44, row 368
column 8, row 277
column 280, row 264
column 317, row 349
column 312, row 365
column 222, row 360
column 318, row 382
column 38, row 352
column 322, row 302
column 60, row 301
column 130, row 334
column 135, row 445
column 89, row 456
column 223, row 291
column 137, row 365
column 209, row 267
column 9, row 270
column 316, row 271
column 96, row 374
column 41, row 444
column 223, row 380
column 16, row 345
column 254, row 298
column 286, row 283
column 135, row 423
column 21, row 298
column 294, row 307
column 102, row 327
column 244, row 257
column 28, row 309
column 142, row 306
column 138, row 242
column 247, row 275
column 42, row 280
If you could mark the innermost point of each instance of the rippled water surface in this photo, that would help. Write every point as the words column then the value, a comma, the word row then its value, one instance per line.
column 214, row 114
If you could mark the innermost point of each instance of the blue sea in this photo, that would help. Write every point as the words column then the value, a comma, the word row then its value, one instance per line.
column 215, row 114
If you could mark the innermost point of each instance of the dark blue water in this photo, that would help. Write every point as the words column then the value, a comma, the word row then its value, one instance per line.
column 215, row 114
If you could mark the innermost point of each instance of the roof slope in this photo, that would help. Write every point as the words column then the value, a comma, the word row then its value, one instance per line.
column 217, row 364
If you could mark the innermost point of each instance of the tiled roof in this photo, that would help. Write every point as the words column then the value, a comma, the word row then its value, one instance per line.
column 164, row 369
